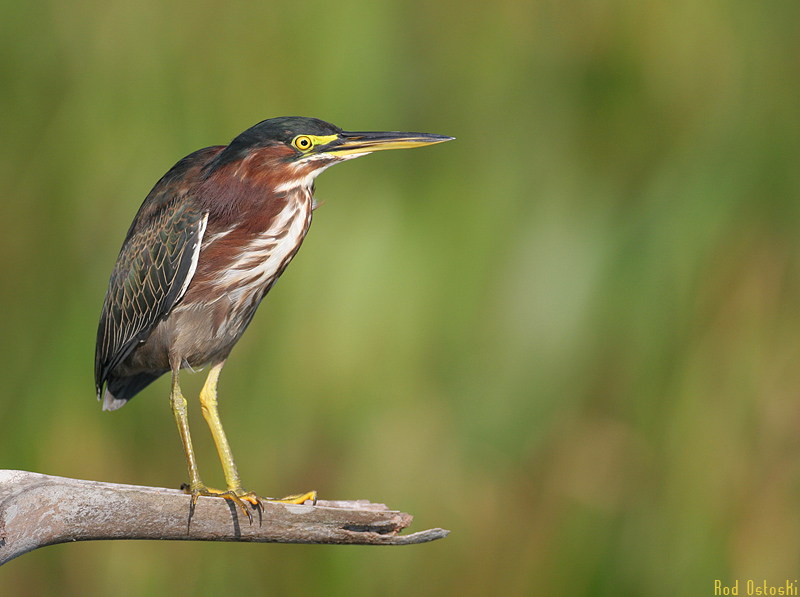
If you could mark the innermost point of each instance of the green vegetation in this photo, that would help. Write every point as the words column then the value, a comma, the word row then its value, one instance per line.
column 571, row 336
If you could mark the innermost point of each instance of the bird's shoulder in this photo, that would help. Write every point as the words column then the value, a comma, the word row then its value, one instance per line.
column 173, row 192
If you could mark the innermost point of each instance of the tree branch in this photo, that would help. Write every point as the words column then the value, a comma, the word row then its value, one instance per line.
column 38, row 510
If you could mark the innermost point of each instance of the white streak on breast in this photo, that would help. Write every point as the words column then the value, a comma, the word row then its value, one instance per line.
column 217, row 236
column 256, row 267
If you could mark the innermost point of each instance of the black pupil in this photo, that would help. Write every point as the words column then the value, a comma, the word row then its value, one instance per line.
column 304, row 142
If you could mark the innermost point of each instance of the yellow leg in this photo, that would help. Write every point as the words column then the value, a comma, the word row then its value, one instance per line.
column 178, row 404
column 196, row 487
column 208, row 403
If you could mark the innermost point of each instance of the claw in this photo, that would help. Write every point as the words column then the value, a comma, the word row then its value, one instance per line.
column 237, row 497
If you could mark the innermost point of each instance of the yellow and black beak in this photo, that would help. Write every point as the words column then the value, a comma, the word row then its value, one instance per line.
column 353, row 143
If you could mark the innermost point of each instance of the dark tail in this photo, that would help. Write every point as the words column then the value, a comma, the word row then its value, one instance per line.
column 121, row 389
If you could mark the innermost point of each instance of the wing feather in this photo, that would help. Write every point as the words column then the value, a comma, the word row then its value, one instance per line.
column 152, row 273
column 155, row 265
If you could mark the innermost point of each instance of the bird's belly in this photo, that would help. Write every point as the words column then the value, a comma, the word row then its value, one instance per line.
column 203, row 333
column 191, row 336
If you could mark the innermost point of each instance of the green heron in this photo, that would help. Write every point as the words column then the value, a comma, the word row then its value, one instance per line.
column 205, row 247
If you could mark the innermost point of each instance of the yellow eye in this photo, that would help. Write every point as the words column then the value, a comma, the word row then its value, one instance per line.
column 303, row 143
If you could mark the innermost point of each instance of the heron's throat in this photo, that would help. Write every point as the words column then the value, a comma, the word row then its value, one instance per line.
column 301, row 174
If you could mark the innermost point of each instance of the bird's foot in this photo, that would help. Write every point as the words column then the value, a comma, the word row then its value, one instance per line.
column 238, row 497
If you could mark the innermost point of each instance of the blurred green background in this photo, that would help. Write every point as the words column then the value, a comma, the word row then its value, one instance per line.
column 572, row 336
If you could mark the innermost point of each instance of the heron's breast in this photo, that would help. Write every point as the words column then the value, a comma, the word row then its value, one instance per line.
column 237, row 267
column 255, row 265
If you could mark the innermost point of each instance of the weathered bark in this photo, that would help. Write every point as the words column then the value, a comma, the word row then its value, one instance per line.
column 38, row 510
